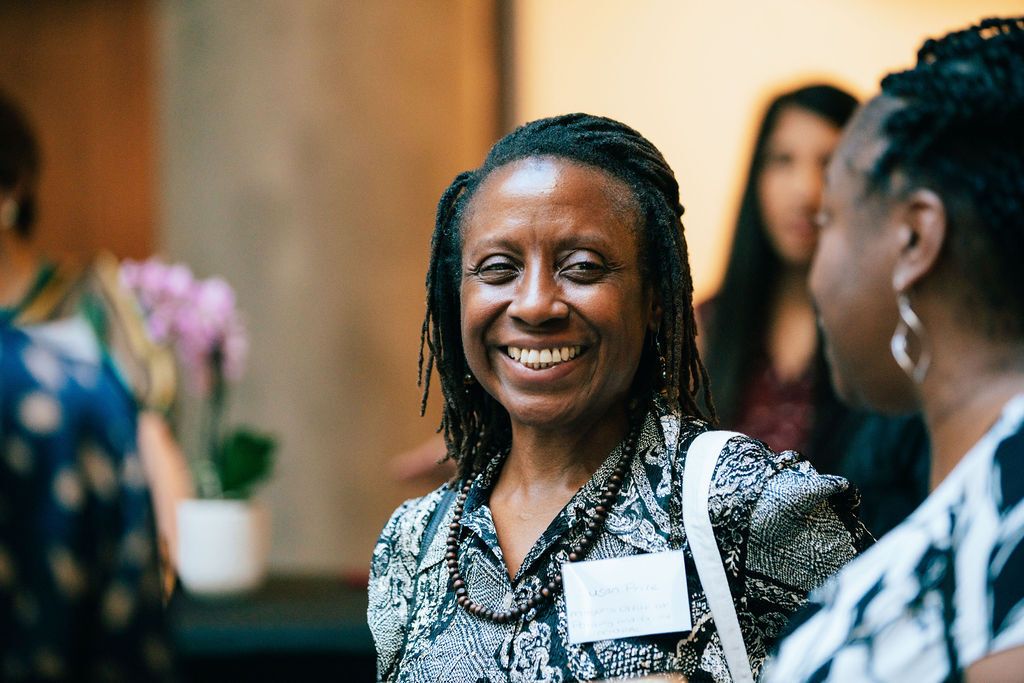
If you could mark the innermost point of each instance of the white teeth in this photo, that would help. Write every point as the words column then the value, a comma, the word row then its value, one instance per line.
column 543, row 358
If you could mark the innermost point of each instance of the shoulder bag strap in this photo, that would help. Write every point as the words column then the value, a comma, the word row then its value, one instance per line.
column 698, row 470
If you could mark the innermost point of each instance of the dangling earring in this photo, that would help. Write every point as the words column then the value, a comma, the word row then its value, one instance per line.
column 909, row 322
column 8, row 213
column 468, row 380
column 662, row 362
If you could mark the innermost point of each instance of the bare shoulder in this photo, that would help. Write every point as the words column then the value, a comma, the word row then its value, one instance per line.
column 1002, row 667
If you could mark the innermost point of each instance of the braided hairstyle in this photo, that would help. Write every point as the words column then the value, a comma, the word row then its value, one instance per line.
column 959, row 129
column 474, row 424
column 19, row 161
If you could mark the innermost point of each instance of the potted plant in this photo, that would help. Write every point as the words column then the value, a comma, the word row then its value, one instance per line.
column 223, row 534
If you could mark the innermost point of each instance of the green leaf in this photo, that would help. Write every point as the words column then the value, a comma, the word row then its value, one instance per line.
column 246, row 458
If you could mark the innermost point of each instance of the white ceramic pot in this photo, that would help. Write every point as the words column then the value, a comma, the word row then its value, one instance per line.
column 222, row 546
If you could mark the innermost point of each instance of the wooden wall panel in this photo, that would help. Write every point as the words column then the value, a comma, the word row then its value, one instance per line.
column 83, row 71
column 306, row 144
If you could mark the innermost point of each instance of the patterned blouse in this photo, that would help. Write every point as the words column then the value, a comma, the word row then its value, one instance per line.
column 940, row 591
column 79, row 590
column 782, row 529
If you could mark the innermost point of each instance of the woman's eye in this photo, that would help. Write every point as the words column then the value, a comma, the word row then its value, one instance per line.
column 583, row 268
column 493, row 270
column 779, row 159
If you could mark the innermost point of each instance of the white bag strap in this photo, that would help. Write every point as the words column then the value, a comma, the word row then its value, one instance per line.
column 697, row 473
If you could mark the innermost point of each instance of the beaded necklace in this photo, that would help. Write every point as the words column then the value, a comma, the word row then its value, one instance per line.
column 597, row 516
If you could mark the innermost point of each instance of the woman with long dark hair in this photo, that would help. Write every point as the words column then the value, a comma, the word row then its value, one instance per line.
column 762, row 342
column 768, row 374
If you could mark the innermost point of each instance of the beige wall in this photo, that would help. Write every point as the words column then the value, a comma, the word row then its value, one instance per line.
column 692, row 76
column 305, row 145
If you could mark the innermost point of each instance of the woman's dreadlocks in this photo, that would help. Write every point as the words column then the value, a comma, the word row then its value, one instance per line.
column 474, row 424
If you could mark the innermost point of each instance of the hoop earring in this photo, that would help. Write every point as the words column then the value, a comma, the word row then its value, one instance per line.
column 8, row 213
column 909, row 322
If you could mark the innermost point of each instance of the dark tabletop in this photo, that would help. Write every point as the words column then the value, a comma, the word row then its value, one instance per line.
column 292, row 623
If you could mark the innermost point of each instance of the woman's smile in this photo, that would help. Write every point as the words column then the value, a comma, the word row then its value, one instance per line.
column 544, row 357
column 539, row 363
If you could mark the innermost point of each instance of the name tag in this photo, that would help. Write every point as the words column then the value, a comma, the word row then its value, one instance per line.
column 626, row 596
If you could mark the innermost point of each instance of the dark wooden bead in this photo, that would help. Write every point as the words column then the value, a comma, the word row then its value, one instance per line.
column 552, row 587
column 574, row 556
column 451, row 555
column 546, row 592
column 601, row 510
column 458, row 583
column 459, row 592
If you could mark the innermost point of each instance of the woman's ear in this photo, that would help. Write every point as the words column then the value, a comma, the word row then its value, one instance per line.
column 921, row 234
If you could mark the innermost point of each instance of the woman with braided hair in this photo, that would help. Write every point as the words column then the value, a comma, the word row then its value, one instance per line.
column 920, row 292
column 560, row 323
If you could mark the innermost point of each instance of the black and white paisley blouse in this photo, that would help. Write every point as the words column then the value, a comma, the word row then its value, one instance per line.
column 782, row 529
column 940, row 591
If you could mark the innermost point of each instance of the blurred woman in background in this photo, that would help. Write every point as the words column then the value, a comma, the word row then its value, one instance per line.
column 768, row 373
column 761, row 343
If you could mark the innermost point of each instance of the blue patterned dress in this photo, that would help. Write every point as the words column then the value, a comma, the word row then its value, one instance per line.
column 80, row 597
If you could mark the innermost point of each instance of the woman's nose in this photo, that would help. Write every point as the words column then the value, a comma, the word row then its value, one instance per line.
column 538, row 298
column 808, row 182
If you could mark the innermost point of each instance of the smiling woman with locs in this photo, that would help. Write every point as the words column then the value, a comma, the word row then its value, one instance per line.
column 560, row 323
